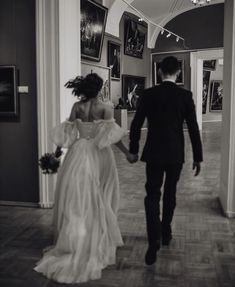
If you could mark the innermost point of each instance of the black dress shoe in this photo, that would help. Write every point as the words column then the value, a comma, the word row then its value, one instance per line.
column 166, row 240
column 151, row 255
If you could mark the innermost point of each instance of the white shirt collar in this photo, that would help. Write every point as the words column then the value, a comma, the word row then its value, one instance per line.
column 168, row 80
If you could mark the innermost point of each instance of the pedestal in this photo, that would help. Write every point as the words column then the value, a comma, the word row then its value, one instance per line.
column 121, row 118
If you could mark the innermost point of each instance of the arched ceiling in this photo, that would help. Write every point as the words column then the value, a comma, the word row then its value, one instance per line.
column 158, row 11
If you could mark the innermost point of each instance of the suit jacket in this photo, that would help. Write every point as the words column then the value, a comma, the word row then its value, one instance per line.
column 166, row 107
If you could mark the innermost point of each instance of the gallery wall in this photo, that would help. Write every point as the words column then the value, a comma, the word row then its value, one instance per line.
column 18, row 140
column 129, row 65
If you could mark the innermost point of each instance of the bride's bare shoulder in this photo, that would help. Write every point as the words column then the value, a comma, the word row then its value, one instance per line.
column 107, row 110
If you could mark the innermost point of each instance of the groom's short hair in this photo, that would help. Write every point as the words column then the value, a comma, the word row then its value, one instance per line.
column 169, row 65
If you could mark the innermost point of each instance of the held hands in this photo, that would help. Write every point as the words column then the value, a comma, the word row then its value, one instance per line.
column 197, row 166
column 132, row 158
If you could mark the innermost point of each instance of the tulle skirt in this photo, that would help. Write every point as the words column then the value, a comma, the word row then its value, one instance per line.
column 85, row 215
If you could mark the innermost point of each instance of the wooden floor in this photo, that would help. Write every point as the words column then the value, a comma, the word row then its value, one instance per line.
column 202, row 253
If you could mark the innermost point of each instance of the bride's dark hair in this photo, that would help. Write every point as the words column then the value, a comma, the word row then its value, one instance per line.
column 86, row 88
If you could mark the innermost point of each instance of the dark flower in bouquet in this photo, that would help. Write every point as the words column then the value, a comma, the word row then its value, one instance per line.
column 50, row 162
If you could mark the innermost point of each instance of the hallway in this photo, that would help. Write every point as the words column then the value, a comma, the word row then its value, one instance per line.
column 202, row 252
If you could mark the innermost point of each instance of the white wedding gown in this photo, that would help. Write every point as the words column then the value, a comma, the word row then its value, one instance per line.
column 86, row 203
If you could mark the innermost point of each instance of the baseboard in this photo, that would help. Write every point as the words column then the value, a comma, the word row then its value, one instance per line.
column 230, row 214
column 46, row 205
column 19, row 203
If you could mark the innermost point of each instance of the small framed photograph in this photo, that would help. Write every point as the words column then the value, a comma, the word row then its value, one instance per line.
column 134, row 39
column 93, row 22
column 157, row 78
column 8, row 92
column 209, row 65
column 114, row 60
column 132, row 87
column 216, row 96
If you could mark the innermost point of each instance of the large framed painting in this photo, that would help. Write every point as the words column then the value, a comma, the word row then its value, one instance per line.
column 8, row 92
column 132, row 87
column 216, row 96
column 205, row 89
column 134, row 39
column 104, row 73
column 157, row 78
column 209, row 65
column 93, row 21
column 114, row 59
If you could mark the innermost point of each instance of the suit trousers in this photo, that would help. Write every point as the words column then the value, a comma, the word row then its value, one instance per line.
column 156, row 174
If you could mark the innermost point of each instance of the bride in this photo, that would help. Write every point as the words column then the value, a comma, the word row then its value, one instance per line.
column 87, row 190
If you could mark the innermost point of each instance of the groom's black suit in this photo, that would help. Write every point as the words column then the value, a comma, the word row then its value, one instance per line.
column 165, row 107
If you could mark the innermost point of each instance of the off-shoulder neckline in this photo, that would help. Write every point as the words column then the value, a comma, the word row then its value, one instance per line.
column 95, row 121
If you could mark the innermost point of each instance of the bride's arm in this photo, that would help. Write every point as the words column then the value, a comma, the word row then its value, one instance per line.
column 73, row 113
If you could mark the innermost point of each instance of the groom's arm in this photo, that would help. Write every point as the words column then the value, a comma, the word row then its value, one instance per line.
column 136, row 125
column 194, row 133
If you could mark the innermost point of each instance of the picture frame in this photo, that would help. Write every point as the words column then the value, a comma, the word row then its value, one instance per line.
column 205, row 89
column 93, row 22
column 114, row 60
column 132, row 87
column 134, row 41
column 216, row 96
column 157, row 78
column 209, row 65
column 9, row 102
column 104, row 73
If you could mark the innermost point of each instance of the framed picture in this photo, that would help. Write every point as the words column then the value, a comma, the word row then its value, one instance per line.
column 157, row 78
column 8, row 92
column 104, row 73
column 216, row 96
column 132, row 87
column 134, row 39
column 205, row 89
column 114, row 59
column 209, row 65
column 93, row 21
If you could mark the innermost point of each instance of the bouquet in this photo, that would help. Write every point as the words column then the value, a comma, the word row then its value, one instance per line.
column 50, row 162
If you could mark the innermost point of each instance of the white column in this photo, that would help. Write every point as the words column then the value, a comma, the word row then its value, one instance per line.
column 58, row 60
column 69, row 51
column 48, row 105
column 227, row 188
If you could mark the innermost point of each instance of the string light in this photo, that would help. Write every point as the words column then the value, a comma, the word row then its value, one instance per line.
column 145, row 18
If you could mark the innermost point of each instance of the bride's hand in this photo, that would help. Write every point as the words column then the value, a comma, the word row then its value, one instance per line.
column 132, row 158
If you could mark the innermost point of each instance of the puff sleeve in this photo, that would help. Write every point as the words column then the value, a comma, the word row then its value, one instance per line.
column 109, row 133
column 64, row 134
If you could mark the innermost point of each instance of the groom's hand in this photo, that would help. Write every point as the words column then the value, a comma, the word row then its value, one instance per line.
column 197, row 166
column 132, row 158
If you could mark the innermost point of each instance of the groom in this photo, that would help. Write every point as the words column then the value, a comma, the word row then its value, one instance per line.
column 165, row 107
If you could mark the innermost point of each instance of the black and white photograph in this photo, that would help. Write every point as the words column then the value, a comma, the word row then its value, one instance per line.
column 93, row 22
column 216, row 96
column 132, row 87
column 117, row 143
column 114, row 59
column 135, row 34
column 209, row 65
column 8, row 92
